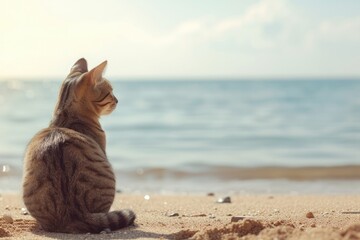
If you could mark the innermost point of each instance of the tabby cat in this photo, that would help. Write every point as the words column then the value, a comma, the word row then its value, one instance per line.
column 69, row 185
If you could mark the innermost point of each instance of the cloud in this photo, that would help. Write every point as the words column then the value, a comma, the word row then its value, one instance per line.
column 249, row 28
column 277, row 35
column 265, row 26
column 261, row 13
column 347, row 29
column 339, row 35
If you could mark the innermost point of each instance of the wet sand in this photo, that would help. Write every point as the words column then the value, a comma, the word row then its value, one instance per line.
column 200, row 217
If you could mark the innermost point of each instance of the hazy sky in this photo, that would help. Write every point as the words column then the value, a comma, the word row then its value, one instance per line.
column 187, row 38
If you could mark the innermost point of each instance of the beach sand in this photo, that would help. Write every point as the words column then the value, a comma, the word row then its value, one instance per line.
column 200, row 217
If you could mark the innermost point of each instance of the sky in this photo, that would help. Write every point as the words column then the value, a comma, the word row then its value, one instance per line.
column 181, row 39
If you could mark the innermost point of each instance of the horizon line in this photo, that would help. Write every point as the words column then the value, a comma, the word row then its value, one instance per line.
column 194, row 78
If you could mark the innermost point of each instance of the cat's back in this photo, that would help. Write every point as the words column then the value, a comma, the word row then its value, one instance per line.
column 55, row 153
column 53, row 140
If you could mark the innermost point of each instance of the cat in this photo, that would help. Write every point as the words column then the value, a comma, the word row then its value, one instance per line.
column 68, row 183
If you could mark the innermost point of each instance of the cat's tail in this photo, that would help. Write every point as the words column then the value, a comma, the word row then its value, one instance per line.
column 97, row 222
column 112, row 220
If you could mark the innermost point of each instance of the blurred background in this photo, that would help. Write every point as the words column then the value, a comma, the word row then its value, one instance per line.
column 214, row 96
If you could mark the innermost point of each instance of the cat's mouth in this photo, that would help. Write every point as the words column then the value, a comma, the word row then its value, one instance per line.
column 110, row 109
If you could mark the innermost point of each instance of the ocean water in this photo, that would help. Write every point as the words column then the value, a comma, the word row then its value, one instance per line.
column 175, row 135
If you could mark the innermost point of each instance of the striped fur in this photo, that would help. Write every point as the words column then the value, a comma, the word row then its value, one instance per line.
column 69, row 185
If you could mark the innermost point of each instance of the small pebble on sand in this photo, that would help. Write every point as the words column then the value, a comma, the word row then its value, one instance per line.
column 173, row 214
column 224, row 200
column 8, row 218
column 310, row 215
column 24, row 211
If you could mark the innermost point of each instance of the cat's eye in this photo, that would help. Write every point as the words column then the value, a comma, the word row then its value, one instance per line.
column 104, row 97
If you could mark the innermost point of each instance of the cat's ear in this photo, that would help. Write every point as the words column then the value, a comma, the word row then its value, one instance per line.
column 97, row 72
column 79, row 66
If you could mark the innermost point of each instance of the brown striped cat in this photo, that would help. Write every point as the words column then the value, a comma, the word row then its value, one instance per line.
column 69, row 184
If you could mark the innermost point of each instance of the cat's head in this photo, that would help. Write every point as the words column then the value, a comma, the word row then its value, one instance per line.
column 87, row 92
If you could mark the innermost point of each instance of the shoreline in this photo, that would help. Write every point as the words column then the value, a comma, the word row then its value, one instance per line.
column 226, row 173
column 295, row 173
column 200, row 217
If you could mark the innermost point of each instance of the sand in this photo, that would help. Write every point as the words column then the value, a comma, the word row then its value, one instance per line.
column 200, row 217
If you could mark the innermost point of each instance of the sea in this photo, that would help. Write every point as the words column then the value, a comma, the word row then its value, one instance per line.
column 201, row 136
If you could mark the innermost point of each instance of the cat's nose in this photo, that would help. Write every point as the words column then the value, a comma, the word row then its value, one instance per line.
column 116, row 100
